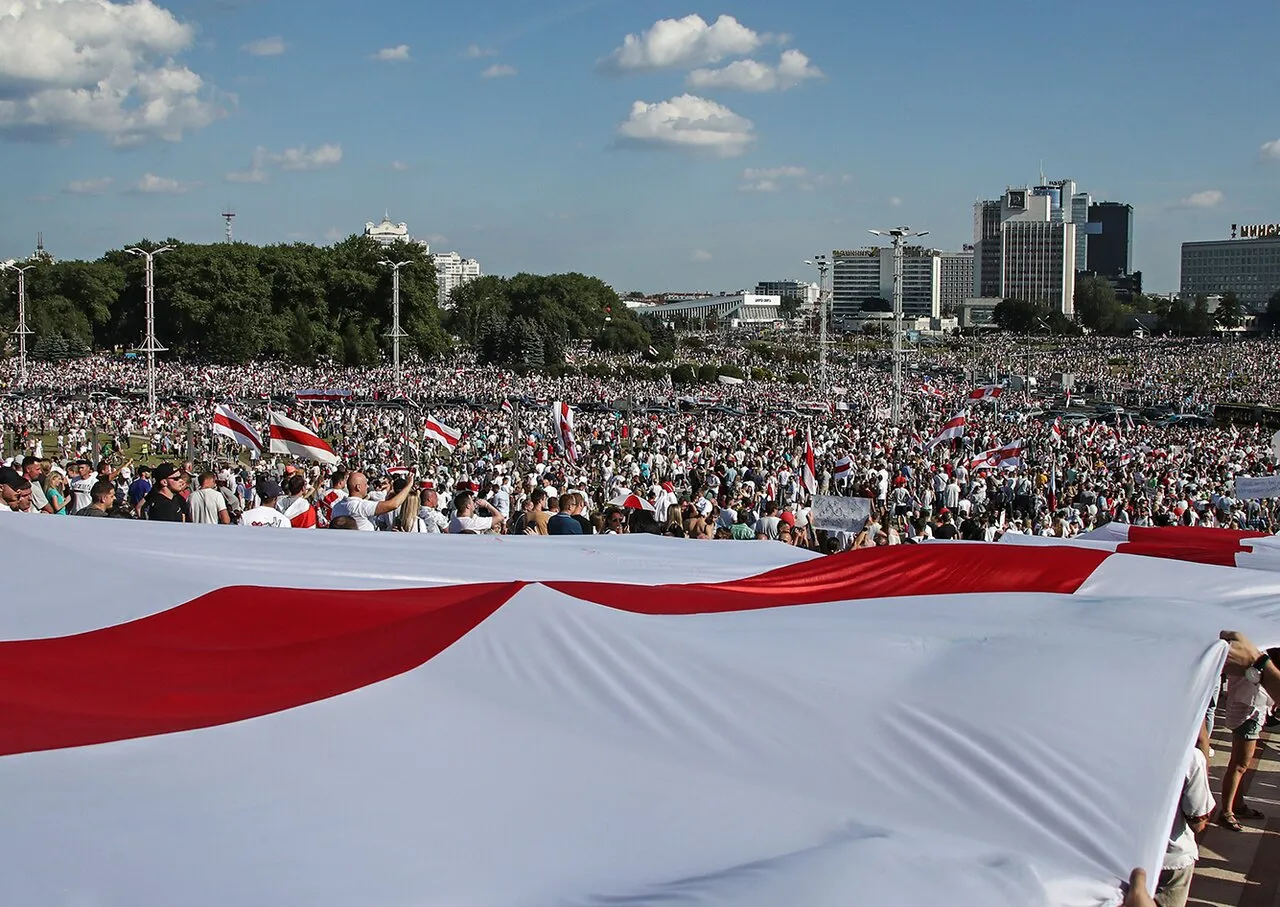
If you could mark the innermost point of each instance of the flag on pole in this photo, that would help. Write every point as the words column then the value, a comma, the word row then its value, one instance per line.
column 929, row 389
column 954, row 428
column 843, row 467
column 228, row 423
column 1055, row 432
column 507, row 407
column 435, row 430
column 562, row 424
column 1008, row 456
column 986, row 392
column 809, row 472
column 290, row 437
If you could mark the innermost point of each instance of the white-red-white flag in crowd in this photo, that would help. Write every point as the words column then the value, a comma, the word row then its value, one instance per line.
column 986, row 392
column 809, row 472
column 507, row 407
column 1008, row 456
column 290, row 437
column 843, row 467
column 435, row 430
column 1055, row 432
column 954, row 428
column 562, row 424
column 929, row 389
column 230, row 424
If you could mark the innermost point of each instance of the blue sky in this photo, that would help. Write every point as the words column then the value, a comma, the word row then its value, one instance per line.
column 508, row 129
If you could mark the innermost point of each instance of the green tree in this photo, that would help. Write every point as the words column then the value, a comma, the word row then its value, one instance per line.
column 1229, row 313
column 1273, row 311
column 1016, row 315
column 1096, row 305
column 1200, row 321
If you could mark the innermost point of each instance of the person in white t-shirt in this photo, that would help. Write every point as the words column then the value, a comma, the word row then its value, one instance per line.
column 82, row 480
column 266, row 514
column 1194, row 807
column 465, row 505
column 358, row 506
column 206, row 504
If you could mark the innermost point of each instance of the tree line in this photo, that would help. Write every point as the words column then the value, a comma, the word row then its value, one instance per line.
column 237, row 302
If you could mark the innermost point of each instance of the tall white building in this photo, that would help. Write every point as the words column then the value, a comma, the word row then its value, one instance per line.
column 452, row 271
column 386, row 233
column 861, row 274
column 1037, row 253
column 955, row 275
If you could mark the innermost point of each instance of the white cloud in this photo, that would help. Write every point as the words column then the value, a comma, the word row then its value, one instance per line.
column 793, row 69
column 700, row 255
column 393, row 54
column 769, row 179
column 1209, row 198
column 399, row 166
column 497, row 71
column 256, row 172
column 688, row 123
column 303, row 158
column 98, row 66
column 1270, row 151
column 265, row 47
column 476, row 52
column 88, row 187
column 437, row 239
column 895, row 202
column 150, row 184
column 675, row 43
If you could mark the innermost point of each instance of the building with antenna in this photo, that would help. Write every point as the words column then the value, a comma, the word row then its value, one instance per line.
column 41, row 254
column 387, row 233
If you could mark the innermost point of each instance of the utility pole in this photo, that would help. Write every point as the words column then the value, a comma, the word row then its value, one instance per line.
column 21, row 330
column 396, row 333
column 822, row 264
column 898, row 235
column 151, row 345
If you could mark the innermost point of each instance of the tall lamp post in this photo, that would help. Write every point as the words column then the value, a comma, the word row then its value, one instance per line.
column 396, row 333
column 151, row 345
column 822, row 264
column 21, row 330
column 899, row 236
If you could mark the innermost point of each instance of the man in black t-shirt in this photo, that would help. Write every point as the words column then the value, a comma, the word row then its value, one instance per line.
column 165, row 502
column 945, row 528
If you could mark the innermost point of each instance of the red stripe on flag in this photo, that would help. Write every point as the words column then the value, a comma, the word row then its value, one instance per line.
column 236, row 426
column 233, row 654
column 306, row 438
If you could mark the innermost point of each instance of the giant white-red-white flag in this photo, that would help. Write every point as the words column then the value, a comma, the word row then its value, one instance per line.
column 291, row 437
column 435, row 430
column 562, row 425
column 952, row 429
column 496, row 690
column 228, row 423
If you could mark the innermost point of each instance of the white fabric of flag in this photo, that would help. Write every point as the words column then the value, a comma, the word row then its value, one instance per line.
column 913, row 724
column 230, row 424
column 292, row 437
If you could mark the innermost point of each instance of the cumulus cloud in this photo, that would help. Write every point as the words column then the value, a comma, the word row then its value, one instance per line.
column 497, row 71
column 1270, row 151
column 688, row 123
column 88, row 187
column 793, row 69
column 265, row 47
column 676, row 43
column 476, row 52
column 98, row 66
column 300, row 158
column 1209, row 198
column 150, row 184
column 304, row 158
column 699, row 255
column 393, row 54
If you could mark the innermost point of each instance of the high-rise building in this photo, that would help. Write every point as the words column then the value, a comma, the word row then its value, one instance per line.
column 452, row 271
column 1080, row 203
column 858, row 275
column 986, row 249
column 955, row 279
column 1037, row 254
column 802, row 290
column 1111, row 242
column 1250, row 268
column 386, row 233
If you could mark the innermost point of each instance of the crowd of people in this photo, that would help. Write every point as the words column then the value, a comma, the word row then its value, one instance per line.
column 974, row 456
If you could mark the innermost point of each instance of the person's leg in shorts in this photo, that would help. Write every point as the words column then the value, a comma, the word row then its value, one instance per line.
column 1237, row 776
column 1174, row 886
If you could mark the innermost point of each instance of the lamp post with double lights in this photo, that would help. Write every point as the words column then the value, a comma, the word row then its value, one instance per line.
column 822, row 264
column 21, row 330
column 151, row 345
column 396, row 333
column 898, row 236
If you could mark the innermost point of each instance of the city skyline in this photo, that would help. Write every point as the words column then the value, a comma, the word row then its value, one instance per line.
column 670, row 148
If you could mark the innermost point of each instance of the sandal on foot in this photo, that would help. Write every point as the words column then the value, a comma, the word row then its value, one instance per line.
column 1244, row 811
column 1227, row 820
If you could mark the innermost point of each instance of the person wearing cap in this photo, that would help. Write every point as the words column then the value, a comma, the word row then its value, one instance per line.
column 266, row 514
column 12, row 488
column 165, row 503
column 429, row 508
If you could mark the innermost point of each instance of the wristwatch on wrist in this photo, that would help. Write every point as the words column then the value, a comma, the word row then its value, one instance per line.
column 1253, row 673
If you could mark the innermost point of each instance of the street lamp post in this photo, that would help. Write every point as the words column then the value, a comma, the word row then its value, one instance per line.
column 898, row 235
column 396, row 333
column 151, row 345
column 822, row 264
column 21, row 330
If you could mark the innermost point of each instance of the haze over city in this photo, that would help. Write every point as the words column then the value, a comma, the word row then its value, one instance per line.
column 657, row 146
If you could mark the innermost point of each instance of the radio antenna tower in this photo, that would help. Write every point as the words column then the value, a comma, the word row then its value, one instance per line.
column 227, row 215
